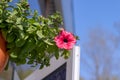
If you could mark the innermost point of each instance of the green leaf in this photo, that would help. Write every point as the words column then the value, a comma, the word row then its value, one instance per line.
column 20, row 27
column 4, row 33
column 13, row 55
column 2, row 25
column 31, row 29
column 41, row 66
column 48, row 42
column 0, row 21
column 10, row 45
column 35, row 15
column 36, row 24
column 20, row 42
column 66, row 54
column 47, row 61
column 39, row 34
column 31, row 61
column 9, row 0
column 56, row 54
column 29, row 45
column 31, row 20
column 77, row 37
column 10, row 37
column 21, row 34
column 18, row 20
column 23, row 61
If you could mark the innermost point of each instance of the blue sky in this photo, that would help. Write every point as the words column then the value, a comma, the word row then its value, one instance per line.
column 95, row 13
column 91, row 13
column 34, row 5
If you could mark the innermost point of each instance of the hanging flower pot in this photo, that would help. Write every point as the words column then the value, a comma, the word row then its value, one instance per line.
column 31, row 38
column 3, row 53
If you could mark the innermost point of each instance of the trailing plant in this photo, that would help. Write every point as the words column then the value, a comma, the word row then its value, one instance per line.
column 31, row 38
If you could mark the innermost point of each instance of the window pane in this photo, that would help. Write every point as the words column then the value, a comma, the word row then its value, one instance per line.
column 59, row 74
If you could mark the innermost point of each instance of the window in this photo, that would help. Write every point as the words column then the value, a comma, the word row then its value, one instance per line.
column 59, row 74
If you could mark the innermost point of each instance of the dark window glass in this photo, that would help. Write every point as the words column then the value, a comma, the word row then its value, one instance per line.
column 59, row 74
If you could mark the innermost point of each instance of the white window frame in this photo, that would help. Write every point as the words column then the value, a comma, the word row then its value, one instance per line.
column 72, row 69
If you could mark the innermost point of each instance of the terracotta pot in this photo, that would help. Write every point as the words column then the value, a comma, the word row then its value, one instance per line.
column 3, row 53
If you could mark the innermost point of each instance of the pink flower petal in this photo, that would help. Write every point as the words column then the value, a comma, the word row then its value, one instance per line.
column 64, row 35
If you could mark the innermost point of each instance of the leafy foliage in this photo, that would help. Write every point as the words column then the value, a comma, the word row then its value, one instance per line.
column 29, row 37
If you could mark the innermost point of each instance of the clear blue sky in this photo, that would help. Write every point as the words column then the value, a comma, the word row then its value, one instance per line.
column 93, row 13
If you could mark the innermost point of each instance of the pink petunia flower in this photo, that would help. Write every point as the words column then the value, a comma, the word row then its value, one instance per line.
column 65, row 40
